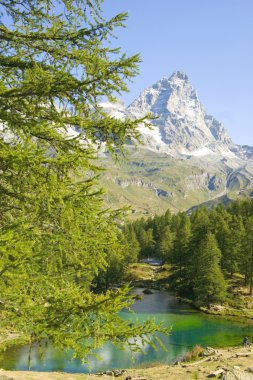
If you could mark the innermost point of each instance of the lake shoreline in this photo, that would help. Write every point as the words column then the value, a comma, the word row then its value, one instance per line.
column 186, row 316
column 218, row 310
column 155, row 277
column 14, row 339
column 237, row 360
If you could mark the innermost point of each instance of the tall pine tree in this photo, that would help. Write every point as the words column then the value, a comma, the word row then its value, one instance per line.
column 246, row 262
column 55, row 234
column 208, row 284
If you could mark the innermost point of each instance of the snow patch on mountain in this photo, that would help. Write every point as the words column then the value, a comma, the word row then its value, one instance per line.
column 153, row 132
column 199, row 152
column 115, row 110
column 227, row 153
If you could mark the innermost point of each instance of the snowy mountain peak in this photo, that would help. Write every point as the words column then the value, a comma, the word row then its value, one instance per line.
column 183, row 126
column 179, row 75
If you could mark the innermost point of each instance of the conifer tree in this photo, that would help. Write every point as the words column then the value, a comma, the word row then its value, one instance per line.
column 167, row 217
column 200, row 223
column 55, row 234
column 234, row 245
column 208, row 283
column 181, row 227
column 165, row 246
column 246, row 263
column 219, row 220
column 131, row 245
column 157, row 224
column 147, row 242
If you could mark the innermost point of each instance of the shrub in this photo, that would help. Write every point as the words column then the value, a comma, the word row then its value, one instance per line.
column 194, row 354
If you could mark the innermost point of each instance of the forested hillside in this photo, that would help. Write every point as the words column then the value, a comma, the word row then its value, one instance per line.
column 205, row 248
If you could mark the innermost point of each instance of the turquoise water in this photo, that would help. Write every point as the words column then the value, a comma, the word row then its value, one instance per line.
column 189, row 327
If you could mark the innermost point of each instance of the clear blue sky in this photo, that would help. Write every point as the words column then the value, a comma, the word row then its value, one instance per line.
column 211, row 40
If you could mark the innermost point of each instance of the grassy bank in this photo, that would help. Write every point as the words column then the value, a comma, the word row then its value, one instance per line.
column 147, row 275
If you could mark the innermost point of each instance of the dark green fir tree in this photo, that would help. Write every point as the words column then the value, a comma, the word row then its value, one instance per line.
column 208, row 284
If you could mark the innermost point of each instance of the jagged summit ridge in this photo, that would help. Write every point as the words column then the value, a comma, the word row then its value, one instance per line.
column 182, row 126
column 179, row 75
column 155, row 98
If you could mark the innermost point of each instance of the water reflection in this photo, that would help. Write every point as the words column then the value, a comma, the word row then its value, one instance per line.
column 189, row 328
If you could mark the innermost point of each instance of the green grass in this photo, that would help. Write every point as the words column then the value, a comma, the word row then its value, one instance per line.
column 186, row 181
column 146, row 272
column 139, row 272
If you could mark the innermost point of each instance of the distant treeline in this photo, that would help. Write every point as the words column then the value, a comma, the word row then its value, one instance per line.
column 205, row 248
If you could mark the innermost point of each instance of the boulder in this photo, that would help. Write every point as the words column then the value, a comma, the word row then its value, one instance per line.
column 109, row 373
column 218, row 372
column 209, row 351
column 147, row 291
column 114, row 373
column 236, row 375
column 119, row 372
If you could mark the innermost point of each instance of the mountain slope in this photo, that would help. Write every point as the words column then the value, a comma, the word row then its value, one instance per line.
column 152, row 182
column 187, row 158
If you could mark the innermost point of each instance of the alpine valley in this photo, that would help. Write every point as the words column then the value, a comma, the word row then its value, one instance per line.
column 186, row 159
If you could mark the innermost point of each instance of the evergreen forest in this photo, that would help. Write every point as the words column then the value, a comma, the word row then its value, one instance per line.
column 205, row 249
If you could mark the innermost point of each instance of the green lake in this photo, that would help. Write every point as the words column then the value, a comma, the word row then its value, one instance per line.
column 189, row 327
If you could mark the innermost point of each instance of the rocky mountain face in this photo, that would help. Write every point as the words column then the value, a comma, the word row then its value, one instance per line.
column 186, row 159
column 182, row 125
